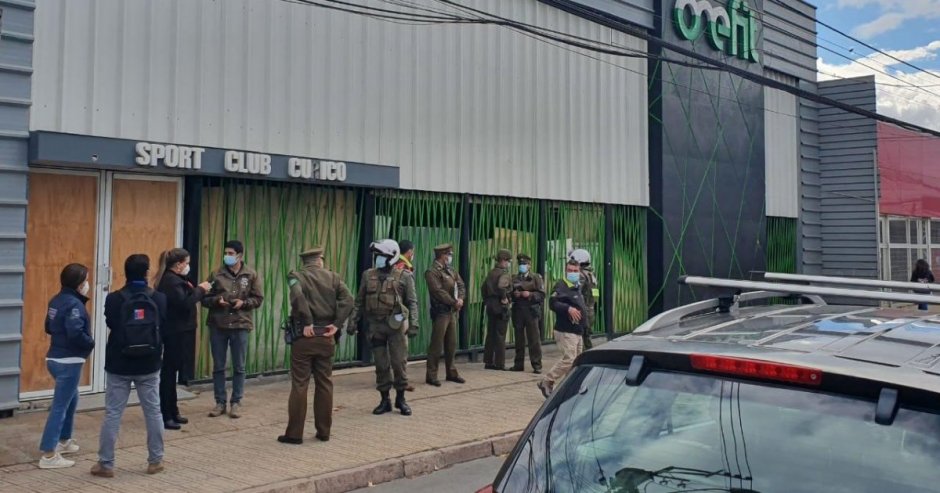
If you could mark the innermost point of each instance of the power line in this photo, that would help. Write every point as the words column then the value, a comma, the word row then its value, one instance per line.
column 710, row 64
column 836, row 30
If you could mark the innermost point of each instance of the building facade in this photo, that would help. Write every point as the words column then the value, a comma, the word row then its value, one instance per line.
column 159, row 124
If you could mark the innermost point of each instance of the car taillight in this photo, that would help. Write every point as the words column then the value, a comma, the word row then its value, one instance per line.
column 486, row 489
column 757, row 369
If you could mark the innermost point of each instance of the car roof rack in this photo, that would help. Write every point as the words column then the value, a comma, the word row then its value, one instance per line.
column 851, row 281
column 745, row 291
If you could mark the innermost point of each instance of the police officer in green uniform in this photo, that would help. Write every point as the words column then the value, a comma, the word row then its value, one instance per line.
column 320, row 304
column 447, row 292
column 528, row 294
column 387, row 301
column 496, row 291
column 588, row 290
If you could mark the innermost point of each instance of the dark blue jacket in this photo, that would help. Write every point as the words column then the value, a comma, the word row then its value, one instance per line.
column 116, row 362
column 68, row 323
column 567, row 296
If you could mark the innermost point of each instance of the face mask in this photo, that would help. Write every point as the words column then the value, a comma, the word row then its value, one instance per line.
column 573, row 277
column 450, row 260
column 523, row 268
column 381, row 262
column 83, row 289
column 230, row 260
column 185, row 271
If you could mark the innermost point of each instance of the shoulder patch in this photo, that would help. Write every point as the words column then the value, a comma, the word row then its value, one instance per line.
column 52, row 313
column 75, row 313
column 291, row 281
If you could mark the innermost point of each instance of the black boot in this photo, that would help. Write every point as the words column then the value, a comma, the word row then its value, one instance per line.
column 400, row 403
column 385, row 406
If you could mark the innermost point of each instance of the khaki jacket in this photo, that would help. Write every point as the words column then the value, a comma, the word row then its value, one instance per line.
column 319, row 297
column 245, row 286
column 443, row 283
column 496, row 291
column 372, row 283
column 533, row 283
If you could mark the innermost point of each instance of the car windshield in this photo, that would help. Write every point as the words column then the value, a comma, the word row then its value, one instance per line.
column 683, row 432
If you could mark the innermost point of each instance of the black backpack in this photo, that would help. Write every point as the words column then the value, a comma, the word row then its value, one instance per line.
column 140, row 325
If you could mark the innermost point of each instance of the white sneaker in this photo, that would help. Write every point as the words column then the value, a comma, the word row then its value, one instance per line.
column 69, row 447
column 55, row 462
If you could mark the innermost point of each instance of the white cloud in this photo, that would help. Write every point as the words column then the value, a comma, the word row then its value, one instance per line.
column 895, row 97
column 894, row 14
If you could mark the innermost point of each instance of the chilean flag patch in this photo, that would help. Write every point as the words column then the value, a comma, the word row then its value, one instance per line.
column 139, row 314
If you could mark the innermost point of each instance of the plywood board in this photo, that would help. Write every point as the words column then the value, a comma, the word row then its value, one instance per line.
column 61, row 229
column 143, row 220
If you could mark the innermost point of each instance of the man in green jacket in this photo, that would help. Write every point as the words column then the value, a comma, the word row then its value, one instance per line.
column 235, row 294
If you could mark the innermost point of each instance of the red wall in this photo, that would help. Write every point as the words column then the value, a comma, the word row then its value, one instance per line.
column 909, row 165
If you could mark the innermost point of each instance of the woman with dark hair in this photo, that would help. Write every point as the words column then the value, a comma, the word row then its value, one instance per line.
column 69, row 328
column 923, row 275
column 181, row 297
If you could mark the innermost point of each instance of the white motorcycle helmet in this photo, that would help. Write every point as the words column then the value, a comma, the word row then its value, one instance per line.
column 388, row 248
column 580, row 256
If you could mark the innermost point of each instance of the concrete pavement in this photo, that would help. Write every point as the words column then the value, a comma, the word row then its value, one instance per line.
column 467, row 477
column 451, row 424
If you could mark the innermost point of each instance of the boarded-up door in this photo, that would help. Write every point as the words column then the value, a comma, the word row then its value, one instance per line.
column 61, row 229
column 144, row 219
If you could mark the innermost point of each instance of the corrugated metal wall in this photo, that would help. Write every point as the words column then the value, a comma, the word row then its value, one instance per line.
column 460, row 108
column 639, row 12
column 781, row 153
column 784, row 53
column 849, row 181
column 16, row 56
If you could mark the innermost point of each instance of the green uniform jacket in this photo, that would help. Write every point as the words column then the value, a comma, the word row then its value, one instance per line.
column 533, row 283
column 496, row 290
column 245, row 286
column 443, row 283
column 406, row 292
column 319, row 297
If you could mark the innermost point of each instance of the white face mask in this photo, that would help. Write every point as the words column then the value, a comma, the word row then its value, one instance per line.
column 83, row 289
column 185, row 271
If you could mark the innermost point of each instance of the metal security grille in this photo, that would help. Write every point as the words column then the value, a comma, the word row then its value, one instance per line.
column 276, row 222
column 629, row 268
column 496, row 223
column 427, row 220
column 570, row 226
column 904, row 240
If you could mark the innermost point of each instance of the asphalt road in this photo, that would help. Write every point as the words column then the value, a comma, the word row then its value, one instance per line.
column 467, row 477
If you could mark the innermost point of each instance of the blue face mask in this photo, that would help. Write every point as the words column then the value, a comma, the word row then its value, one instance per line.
column 573, row 277
column 450, row 259
column 230, row 260
column 381, row 262
column 523, row 268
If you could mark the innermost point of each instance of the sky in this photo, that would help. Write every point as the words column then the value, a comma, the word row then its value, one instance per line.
column 908, row 30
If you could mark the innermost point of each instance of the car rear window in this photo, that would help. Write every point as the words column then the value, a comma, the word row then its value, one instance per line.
column 686, row 432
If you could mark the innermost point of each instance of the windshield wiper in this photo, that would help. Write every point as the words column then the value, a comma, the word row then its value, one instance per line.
column 631, row 479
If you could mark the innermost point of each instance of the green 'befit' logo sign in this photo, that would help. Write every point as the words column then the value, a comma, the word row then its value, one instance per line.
column 732, row 30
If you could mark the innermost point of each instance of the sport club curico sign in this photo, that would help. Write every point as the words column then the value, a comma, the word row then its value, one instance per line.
column 732, row 30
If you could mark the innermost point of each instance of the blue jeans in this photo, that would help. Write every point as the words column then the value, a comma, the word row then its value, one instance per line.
column 220, row 341
column 115, row 401
column 64, row 400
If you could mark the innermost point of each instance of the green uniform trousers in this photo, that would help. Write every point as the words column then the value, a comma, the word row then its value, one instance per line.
column 494, row 347
column 311, row 356
column 443, row 340
column 588, row 332
column 390, row 355
column 526, row 329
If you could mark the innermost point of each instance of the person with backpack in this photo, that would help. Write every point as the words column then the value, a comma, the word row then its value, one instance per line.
column 236, row 293
column 181, row 298
column 135, row 316
column 320, row 304
column 923, row 275
column 69, row 329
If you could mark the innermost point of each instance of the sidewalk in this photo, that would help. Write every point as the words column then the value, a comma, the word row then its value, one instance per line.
column 223, row 454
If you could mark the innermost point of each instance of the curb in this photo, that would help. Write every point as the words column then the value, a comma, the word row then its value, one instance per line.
column 409, row 466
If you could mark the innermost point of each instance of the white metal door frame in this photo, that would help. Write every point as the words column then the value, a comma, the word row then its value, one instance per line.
column 84, row 389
